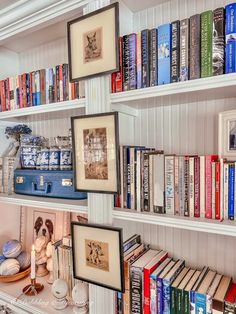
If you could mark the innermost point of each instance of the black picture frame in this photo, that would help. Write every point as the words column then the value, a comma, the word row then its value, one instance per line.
column 115, row 68
column 120, row 262
column 78, row 164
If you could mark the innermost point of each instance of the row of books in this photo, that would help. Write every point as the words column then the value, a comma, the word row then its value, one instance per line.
column 157, row 284
column 192, row 186
column 200, row 46
column 39, row 87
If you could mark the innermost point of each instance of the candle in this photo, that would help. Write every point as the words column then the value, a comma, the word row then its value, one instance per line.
column 32, row 275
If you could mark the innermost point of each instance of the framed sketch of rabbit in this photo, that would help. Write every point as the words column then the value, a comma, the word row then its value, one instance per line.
column 93, row 43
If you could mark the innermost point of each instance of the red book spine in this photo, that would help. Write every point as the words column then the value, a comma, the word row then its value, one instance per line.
column 197, row 187
column 217, row 189
column 113, row 82
column 3, row 96
column 119, row 75
column 208, row 185
column 23, row 77
column 7, row 91
column 20, row 91
column 146, row 276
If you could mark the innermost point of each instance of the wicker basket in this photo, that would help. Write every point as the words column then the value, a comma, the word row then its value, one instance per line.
column 18, row 276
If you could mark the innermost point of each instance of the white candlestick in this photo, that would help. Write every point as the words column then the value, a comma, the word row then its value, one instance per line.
column 32, row 275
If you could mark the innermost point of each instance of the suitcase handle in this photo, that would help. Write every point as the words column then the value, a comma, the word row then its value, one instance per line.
column 44, row 191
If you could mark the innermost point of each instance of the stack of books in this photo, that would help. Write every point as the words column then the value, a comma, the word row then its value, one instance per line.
column 200, row 46
column 192, row 186
column 38, row 88
column 156, row 283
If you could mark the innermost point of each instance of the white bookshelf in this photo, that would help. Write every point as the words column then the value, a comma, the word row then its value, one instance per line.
column 53, row 108
column 10, row 293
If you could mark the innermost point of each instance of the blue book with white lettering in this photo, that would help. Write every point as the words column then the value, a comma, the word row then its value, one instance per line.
column 200, row 301
column 132, row 61
column 230, row 38
column 231, row 192
column 164, row 54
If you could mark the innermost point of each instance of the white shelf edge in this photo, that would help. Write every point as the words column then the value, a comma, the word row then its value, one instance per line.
column 43, row 109
column 213, row 82
column 194, row 224
column 77, row 206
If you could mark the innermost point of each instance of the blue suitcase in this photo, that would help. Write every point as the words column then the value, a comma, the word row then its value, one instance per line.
column 47, row 183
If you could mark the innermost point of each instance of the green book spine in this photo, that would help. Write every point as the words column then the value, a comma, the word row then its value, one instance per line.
column 206, row 43
column 186, row 303
column 179, row 298
column 172, row 301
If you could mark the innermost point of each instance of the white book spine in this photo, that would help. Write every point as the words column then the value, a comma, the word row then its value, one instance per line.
column 158, row 183
column 191, row 186
column 226, row 186
column 221, row 188
column 181, row 185
column 177, row 206
column 202, row 186
column 138, row 181
column 169, row 185
column 150, row 181
column 213, row 189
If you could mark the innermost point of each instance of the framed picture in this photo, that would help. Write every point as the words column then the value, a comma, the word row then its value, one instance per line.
column 227, row 134
column 37, row 221
column 98, row 255
column 96, row 152
column 93, row 43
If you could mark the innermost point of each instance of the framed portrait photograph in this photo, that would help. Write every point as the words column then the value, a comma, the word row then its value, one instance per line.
column 96, row 152
column 98, row 255
column 93, row 43
column 227, row 134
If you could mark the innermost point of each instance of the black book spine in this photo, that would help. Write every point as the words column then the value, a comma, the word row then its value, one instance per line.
column 175, row 56
column 126, row 62
column 146, row 182
column 194, row 47
column 136, row 290
column 145, row 51
column 218, row 57
column 153, row 57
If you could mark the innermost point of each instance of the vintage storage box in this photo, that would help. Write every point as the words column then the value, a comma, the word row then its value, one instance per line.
column 54, row 183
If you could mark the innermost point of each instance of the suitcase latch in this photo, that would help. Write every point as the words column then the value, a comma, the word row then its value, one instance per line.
column 19, row 180
column 66, row 182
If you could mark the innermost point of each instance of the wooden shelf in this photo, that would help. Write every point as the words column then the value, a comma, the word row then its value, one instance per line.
column 222, row 86
column 77, row 206
column 41, row 304
column 194, row 224
column 43, row 109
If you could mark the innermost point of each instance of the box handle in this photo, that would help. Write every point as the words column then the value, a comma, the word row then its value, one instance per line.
column 44, row 191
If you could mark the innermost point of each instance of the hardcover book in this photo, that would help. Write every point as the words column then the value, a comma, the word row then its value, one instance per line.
column 164, row 53
column 231, row 195
column 211, row 291
column 158, row 182
column 218, row 41
column 125, row 62
column 132, row 61
column 230, row 300
column 153, row 56
column 169, row 184
column 194, row 46
column 208, row 184
column 139, row 61
column 219, row 296
column 119, row 74
column 230, row 38
column 184, row 50
column 206, row 43
column 175, row 55
column 194, row 288
column 145, row 50
column 180, row 291
column 187, row 290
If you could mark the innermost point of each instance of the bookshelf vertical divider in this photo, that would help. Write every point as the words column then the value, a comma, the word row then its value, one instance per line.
column 100, row 206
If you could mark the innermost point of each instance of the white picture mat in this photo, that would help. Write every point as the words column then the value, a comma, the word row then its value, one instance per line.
column 113, row 276
column 106, row 20
column 91, row 123
column 223, row 136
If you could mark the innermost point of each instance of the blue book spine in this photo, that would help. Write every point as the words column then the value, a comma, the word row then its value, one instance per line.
column 159, row 296
column 164, row 53
column 153, row 294
column 192, row 302
column 139, row 61
column 128, row 179
column 166, row 296
column 231, row 192
column 230, row 38
column 145, row 47
column 200, row 303
column 132, row 61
